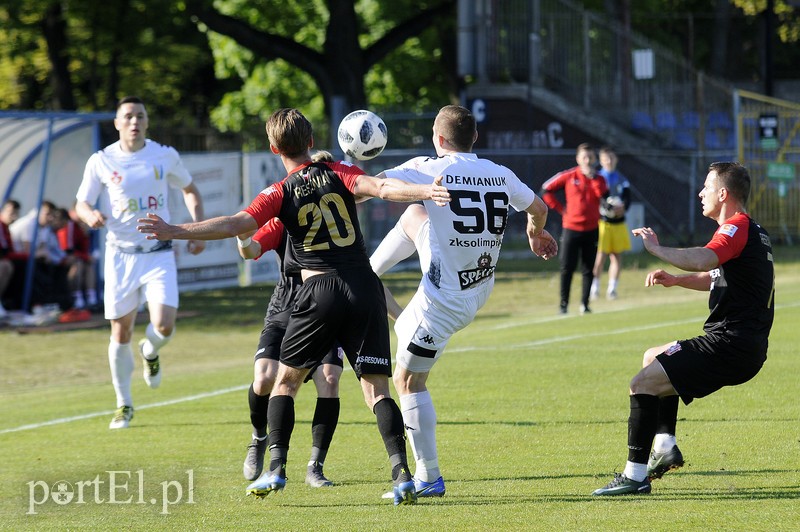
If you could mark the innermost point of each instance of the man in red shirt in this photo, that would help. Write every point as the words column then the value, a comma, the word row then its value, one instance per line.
column 81, row 274
column 580, row 216
column 8, row 214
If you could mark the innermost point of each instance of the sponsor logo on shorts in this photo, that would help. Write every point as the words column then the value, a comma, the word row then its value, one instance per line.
column 671, row 350
column 428, row 339
column 366, row 359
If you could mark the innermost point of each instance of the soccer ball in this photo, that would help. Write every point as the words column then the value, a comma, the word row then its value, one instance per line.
column 362, row 135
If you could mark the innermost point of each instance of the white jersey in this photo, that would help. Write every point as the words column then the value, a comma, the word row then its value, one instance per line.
column 466, row 235
column 129, row 185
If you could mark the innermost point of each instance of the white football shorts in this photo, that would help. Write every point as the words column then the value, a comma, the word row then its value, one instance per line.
column 133, row 278
column 429, row 320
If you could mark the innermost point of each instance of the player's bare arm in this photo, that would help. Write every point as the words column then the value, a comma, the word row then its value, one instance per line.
column 213, row 229
column 695, row 281
column 690, row 259
column 194, row 202
column 393, row 308
column 89, row 215
column 541, row 242
column 391, row 189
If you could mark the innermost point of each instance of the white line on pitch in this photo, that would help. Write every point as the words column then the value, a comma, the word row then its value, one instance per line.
column 457, row 349
column 109, row 412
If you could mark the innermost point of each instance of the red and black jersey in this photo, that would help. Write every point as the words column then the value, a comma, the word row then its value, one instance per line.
column 316, row 204
column 742, row 299
column 7, row 245
column 582, row 196
column 273, row 236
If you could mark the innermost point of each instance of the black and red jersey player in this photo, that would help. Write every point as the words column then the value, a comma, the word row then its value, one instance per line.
column 341, row 299
column 736, row 267
column 273, row 236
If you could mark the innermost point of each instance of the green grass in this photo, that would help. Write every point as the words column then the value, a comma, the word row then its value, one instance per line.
column 532, row 412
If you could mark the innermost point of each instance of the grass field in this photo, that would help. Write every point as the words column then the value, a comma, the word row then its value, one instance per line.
column 532, row 412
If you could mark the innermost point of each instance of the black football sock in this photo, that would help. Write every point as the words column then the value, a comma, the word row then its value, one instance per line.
column 390, row 425
column 642, row 427
column 326, row 417
column 280, row 418
column 258, row 412
column 667, row 414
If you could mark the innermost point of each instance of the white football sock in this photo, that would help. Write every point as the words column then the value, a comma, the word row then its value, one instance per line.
column 595, row 286
column 419, row 417
column 635, row 471
column 120, row 359
column 394, row 247
column 664, row 442
column 155, row 341
column 612, row 285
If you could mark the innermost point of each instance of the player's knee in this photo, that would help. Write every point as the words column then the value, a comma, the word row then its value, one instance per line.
column 165, row 330
column 636, row 384
column 401, row 381
column 651, row 354
column 262, row 384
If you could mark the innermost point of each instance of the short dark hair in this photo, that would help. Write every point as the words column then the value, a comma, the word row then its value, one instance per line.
column 129, row 99
column 289, row 132
column 585, row 146
column 14, row 204
column 734, row 177
column 608, row 149
column 457, row 125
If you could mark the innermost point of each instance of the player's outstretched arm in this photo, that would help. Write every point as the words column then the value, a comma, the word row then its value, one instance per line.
column 695, row 281
column 690, row 259
column 392, row 189
column 213, row 229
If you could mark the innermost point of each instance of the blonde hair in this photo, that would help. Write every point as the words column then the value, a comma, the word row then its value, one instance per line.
column 289, row 132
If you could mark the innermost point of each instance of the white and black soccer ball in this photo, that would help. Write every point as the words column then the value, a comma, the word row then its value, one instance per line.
column 362, row 135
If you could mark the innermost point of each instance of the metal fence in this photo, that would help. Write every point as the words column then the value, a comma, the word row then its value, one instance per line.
column 597, row 64
column 769, row 145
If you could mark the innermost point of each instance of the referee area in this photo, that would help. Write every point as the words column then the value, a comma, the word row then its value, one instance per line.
column 532, row 409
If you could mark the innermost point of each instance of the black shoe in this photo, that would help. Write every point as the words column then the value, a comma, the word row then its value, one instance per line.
column 660, row 463
column 315, row 478
column 622, row 485
column 562, row 309
column 254, row 461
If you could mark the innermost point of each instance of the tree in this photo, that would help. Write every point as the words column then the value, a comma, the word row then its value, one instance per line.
column 296, row 51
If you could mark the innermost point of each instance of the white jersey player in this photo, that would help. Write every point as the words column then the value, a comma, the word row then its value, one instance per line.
column 459, row 246
column 126, row 180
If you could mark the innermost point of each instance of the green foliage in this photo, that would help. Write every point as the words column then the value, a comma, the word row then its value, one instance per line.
column 268, row 84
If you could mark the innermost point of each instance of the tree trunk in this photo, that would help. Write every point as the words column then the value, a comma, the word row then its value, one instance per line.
column 719, row 42
column 55, row 35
